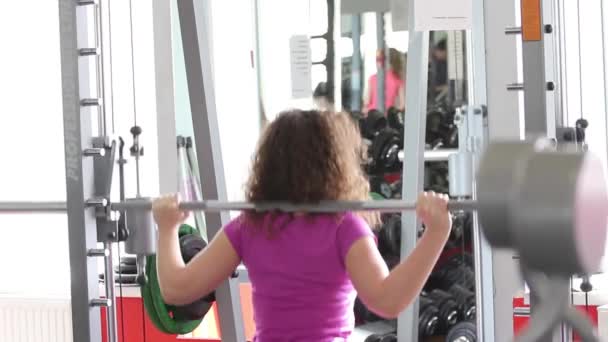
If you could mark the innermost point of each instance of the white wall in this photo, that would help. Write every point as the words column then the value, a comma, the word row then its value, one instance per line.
column 278, row 21
column 31, row 140
column 585, row 93
column 31, row 134
column 235, row 88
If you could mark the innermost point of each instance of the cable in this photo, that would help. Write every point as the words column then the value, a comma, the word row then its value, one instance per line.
column 564, row 53
column 99, row 70
column 111, row 64
column 122, row 308
column 580, row 59
column 604, row 64
column 133, row 64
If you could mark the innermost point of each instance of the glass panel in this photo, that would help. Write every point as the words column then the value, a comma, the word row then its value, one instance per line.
column 318, row 49
column 318, row 17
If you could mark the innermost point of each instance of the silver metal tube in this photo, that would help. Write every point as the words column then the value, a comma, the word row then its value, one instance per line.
column 98, row 29
column 513, row 30
column 109, row 284
column 515, row 86
column 99, row 302
column 15, row 207
column 433, row 155
column 137, row 175
column 219, row 206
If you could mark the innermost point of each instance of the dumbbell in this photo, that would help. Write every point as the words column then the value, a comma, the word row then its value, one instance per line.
column 395, row 119
column 457, row 272
column 452, row 272
column 389, row 338
column 436, row 177
column 381, row 338
column 428, row 318
column 460, row 259
column 461, row 226
column 462, row 332
column 384, row 151
column 448, row 309
column 374, row 122
column 465, row 300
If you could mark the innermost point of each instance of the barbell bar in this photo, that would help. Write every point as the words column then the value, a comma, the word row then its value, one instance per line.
column 219, row 206
column 528, row 198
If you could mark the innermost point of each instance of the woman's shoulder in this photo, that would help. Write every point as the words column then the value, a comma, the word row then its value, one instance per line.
column 352, row 220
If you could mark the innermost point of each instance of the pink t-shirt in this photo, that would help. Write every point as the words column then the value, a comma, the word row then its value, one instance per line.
column 391, row 90
column 301, row 290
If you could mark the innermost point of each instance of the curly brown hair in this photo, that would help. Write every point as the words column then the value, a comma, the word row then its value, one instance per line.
column 308, row 156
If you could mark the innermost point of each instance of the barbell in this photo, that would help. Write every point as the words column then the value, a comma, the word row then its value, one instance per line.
column 550, row 206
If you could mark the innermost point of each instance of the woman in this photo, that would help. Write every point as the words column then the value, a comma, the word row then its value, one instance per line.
column 305, row 269
column 394, row 89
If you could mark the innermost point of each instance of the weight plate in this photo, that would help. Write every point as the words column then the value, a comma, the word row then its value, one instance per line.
column 591, row 201
column 551, row 205
column 498, row 179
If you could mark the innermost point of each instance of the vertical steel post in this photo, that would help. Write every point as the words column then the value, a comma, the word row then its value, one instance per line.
column 477, row 97
column 82, row 234
column 382, row 67
column 413, row 158
column 195, row 23
column 533, row 52
column 356, row 74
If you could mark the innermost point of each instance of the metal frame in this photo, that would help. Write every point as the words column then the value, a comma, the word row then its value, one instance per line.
column 413, row 157
column 356, row 67
column 194, row 17
column 80, row 185
column 535, row 85
column 381, row 68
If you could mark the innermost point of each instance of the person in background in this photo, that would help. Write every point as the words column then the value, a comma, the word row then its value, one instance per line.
column 394, row 93
column 439, row 67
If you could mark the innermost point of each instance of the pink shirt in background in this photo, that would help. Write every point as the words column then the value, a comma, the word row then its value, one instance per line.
column 391, row 90
column 300, row 288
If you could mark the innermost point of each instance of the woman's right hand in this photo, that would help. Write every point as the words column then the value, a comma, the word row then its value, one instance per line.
column 432, row 209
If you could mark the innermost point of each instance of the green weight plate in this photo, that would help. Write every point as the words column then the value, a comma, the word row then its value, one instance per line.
column 160, row 313
column 376, row 196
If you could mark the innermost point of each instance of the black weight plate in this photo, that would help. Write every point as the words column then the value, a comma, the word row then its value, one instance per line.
column 190, row 245
column 462, row 332
column 389, row 338
column 375, row 122
column 127, row 269
column 393, row 234
column 128, row 260
column 378, row 147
